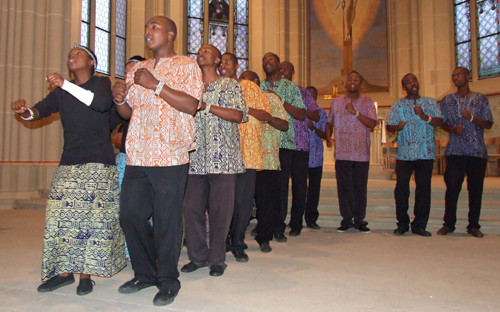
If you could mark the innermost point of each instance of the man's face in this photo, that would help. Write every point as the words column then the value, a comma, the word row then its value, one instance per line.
column 353, row 82
column 410, row 84
column 286, row 70
column 156, row 33
column 270, row 63
column 460, row 77
column 228, row 67
column 207, row 55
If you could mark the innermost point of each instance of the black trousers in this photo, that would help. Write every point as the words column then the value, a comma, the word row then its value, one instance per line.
column 266, row 200
column 154, row 250
column 423, row 175
column 213, row 193
column 456, row 169
column 243, row 205
column 352, row 182
column 313, row 190
column 294, row 164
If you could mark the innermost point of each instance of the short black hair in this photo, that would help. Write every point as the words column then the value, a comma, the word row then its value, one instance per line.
column 135, row 58
column 274, row 55
column 232, row 56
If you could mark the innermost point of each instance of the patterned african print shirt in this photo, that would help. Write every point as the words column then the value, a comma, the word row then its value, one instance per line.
column 302, row 136
column 316, row 148
column 271, row 136
column 251, row 131
column 218, row 148
column 352, row 138
column 471, row 142
column 416, row 140
column 289, row 92
column 158, row 134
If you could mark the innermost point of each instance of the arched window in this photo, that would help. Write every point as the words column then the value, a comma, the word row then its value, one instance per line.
column 103, row 29
column 224, row 24
column 480, row 52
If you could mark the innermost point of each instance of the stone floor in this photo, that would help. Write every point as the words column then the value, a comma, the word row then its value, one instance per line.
column 316, row 271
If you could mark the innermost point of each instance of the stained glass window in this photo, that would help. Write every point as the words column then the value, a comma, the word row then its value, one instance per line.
column 221, row 26
column 462, row 34
column 487, row 38
column 103, row 20
column 485, row 42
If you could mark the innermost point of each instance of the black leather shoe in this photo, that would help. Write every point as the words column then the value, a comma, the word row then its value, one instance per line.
column 265, row 247
column 314, row 226
column 240, row 255
column 280, row 237
column 216, row 270
column 400, row 231
column 190, row 267
column 164, row 297
column 294, row 232
column 133, row 286
column 56, row 282
column 85, row 287
column 421, row 232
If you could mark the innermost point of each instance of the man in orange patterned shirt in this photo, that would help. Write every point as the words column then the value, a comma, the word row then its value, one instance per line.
column 251, row 149
column 160, row 97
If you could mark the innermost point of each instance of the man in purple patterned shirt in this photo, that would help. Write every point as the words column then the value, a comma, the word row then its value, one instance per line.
column 302, row 141
column 352, row 115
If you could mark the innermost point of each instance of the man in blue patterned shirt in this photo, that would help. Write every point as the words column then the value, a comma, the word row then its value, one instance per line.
column 414, row 118
column 466, row 115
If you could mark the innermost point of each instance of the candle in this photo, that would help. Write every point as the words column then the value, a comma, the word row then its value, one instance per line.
column 376, row 108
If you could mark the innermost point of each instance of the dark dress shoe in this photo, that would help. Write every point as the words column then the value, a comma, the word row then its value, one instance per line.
column 475, row 232
column 444, row 230
column 85, row 287
column 294, row 232
column 280, row 237
column 421, row 232
column 190, row 267
column 164, row 297
column 265, row 247
column 56, row 282
column 400, row 231
column 216, row 270
column 240, row 255
column 314, row 226
column 133, row 286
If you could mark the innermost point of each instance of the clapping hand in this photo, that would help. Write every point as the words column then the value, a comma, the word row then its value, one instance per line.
column 55, row 80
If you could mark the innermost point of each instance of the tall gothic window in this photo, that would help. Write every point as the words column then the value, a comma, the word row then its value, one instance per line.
column 224, row 24
column 481, row 51
column 103, row 29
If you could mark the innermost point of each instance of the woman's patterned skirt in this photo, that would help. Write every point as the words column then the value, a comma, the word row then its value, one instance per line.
column 82, row 229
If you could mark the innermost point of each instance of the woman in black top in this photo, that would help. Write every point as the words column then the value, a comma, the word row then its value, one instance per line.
column 82, row 231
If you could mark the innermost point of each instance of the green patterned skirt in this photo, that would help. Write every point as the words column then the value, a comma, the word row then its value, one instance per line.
column 82, row 230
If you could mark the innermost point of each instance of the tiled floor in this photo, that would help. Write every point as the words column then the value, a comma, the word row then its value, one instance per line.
column 316, row 271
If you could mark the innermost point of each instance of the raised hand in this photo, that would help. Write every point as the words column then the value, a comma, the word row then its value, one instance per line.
column 19, row 106
column 145, row 78
column 55, row 80
column 418, row 110
column 350, row 108
column 119, row 92
column 466, row 114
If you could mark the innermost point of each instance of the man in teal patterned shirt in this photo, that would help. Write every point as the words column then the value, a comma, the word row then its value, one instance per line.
column 414, row 118
column 295, row 108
